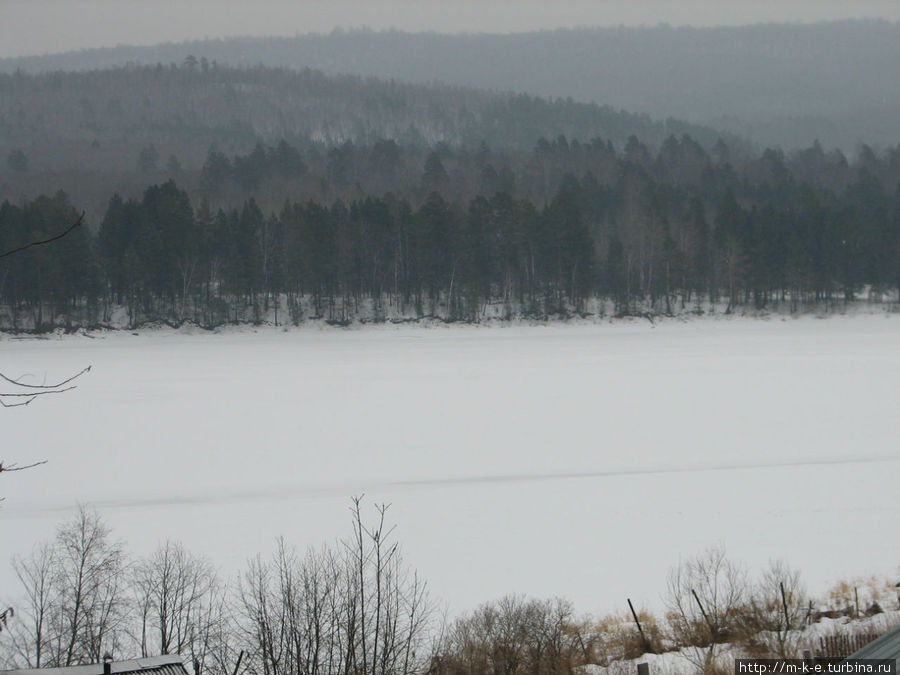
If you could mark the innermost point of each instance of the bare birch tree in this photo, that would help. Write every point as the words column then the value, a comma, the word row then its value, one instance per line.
column 355, row 608
column 180, row 604
column 705, row 596
column 36, row 574
column 89, row 574
column 75, row 599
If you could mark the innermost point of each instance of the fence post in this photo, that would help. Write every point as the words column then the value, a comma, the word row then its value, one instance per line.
column 645, row 644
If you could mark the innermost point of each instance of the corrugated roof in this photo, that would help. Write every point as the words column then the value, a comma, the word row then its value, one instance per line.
column 169, row 664
column 885, row 647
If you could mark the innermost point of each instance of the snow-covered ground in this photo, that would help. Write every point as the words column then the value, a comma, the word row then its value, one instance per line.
column 805, row 639
column 573, row 460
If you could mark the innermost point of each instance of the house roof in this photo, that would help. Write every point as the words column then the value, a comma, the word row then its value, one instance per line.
column 885, row 647
column 169, row 664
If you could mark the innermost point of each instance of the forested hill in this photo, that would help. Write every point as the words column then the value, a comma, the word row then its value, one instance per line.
column 777, row 84
column 194, row 102
column 93, row 132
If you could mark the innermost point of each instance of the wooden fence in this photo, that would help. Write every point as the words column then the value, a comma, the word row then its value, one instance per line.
column 844, row 644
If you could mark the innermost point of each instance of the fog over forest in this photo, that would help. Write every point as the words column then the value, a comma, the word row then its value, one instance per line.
column 776, row 84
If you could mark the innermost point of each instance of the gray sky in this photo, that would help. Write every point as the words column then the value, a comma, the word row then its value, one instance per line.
column 46, row 26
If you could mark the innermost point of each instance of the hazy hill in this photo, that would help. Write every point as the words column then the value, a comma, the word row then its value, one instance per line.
column 92, row 132
column 779, row 84
column 185, row 107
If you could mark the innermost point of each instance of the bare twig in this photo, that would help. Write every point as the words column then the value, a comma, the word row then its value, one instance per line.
column 4, row 404
column 77, row 223
column 19, row 382
column 32, row 394
column 36, row 390
column 16, row 467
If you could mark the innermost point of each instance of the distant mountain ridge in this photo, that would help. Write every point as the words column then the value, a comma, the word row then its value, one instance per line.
column 779, row 84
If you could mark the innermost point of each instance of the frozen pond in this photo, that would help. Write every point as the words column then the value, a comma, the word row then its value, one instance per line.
column 573, row 460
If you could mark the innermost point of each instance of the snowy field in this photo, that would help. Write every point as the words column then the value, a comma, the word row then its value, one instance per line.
column 573, row 460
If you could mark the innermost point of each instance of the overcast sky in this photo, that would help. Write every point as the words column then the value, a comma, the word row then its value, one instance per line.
column 46, row 26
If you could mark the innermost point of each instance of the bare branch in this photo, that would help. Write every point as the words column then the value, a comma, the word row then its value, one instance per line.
column 19, row 382
column 76, row 224
column 35, row 390
column 20, row 398
column 16, row 467
column 32, row 394
column 15, row 405
column 42, row 389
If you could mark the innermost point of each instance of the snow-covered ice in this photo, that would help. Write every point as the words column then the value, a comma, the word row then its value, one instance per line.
column 573, row 460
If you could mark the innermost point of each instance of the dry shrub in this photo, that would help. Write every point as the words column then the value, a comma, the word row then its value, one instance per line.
column 514, row 635
column 872, row 593
column 618, row 637
column 775, row 613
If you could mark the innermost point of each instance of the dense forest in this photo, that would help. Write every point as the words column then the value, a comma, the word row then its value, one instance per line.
column 777, row 84
column 568, row 228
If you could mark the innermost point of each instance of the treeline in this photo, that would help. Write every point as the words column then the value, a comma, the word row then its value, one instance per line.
column 357, row 607
column 664, row 233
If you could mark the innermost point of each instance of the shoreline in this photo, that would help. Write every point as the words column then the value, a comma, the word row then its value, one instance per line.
column 711, row 313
